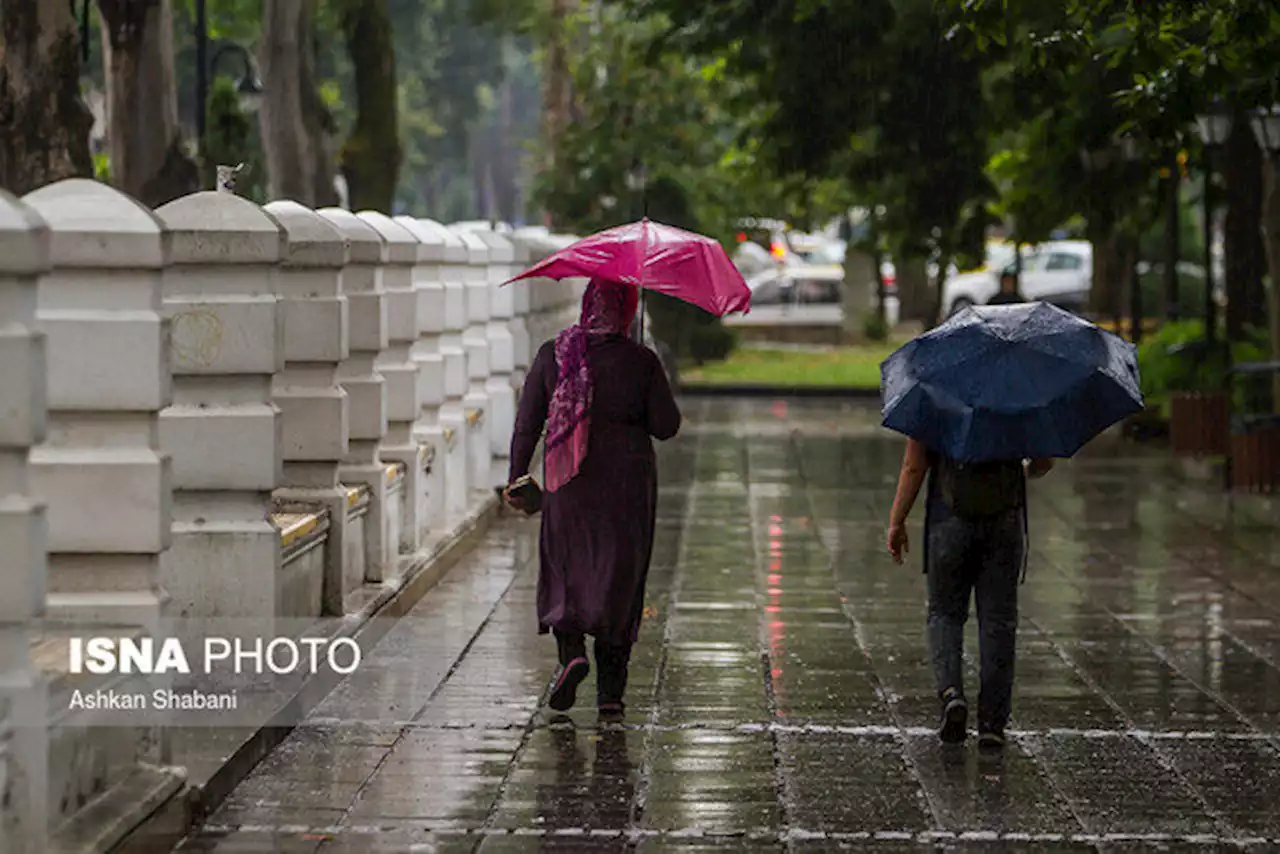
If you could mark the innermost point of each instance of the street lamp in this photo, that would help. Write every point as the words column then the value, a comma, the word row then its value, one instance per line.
column 249, row 86
column 1266, row 126
column 1214, row 127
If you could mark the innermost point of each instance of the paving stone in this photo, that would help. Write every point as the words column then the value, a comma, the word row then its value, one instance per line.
column 780, row 697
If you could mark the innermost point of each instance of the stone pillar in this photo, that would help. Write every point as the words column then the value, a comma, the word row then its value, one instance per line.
column 453, row 414
column 476, row 342
column 24, row 749
column 430, row 291
column 502, row 357
column 313, row 405
column 365, row 386
column 101, row 472
column 401, row 373
column 223, row 429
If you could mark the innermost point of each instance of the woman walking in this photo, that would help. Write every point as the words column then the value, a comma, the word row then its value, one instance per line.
column 602, row 398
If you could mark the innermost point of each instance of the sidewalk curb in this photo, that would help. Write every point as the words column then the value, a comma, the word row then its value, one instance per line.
column 191, row 806
column 689, row 389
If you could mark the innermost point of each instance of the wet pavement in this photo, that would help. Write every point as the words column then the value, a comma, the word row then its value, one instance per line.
column 780, row 698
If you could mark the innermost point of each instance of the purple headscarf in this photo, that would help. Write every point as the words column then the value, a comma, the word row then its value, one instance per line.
column 607, row 309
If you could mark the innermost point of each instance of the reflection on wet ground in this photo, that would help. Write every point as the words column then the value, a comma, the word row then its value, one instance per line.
column 780, row 698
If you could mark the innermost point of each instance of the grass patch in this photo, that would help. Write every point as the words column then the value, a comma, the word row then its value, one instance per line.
column 840, row 367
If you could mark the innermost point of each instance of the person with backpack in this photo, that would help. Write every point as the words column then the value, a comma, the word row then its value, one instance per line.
column 975, row 544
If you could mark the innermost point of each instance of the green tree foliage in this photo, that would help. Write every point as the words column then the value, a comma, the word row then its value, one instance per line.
column 884, row 96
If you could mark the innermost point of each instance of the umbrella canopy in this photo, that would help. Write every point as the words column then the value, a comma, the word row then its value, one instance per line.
column 657, row 257
column 1010, row 382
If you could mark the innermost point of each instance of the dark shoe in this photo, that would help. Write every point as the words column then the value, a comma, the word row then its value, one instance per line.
column 612, row 712
column 565, row 692
column 991, row 739
column 955, row 717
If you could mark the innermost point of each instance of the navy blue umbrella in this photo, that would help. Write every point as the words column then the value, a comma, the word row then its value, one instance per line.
column 1010, row 382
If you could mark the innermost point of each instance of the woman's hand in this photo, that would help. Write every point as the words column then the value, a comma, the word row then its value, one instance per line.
column 515, row 502
column 897, row 541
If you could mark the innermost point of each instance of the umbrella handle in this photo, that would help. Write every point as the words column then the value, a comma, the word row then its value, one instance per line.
column 642, row 316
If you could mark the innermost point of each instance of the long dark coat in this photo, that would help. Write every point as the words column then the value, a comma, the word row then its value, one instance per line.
column 597, row 530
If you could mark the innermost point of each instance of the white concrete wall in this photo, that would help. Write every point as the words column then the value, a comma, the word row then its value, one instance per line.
column 366, row 387
column 429, row 290
column 453, row 415
column 397, row 366
column 24, row 256
column 491, row 269
column 260, row 412
column 223, row 431
column 109, row 377
column 477, row 345
column 313, row 404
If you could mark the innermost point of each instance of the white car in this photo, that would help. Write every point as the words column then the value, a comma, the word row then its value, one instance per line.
column 1059, row 272
column 803, row 294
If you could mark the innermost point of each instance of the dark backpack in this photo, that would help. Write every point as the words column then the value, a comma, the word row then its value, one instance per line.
column 981, row 489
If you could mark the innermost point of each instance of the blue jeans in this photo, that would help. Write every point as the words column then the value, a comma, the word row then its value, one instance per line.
column 984, row 557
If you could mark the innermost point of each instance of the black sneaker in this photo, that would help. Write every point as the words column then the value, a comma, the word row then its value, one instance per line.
column 565, row 692
column 955, row 717
column 991, row 739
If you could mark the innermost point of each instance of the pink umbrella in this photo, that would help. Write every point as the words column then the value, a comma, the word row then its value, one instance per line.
column 657, row 257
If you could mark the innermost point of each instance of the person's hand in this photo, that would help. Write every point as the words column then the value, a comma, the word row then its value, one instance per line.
column 515, row 502
column 897, row 541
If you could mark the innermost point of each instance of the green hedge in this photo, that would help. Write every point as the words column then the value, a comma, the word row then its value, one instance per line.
column 1164, row 370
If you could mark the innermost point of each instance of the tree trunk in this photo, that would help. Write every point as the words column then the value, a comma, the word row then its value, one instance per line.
column 148, row 158
column 44, row 124
column 914, row 301
column 371, row 156
column 557, row 84
column 297, row 129
column 1271, row 231
column 859, row 293
column 1246, row 258
column 1108, row 277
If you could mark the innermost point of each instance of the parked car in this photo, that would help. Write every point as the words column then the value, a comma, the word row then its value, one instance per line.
column 804, row 294
column 1059, row 272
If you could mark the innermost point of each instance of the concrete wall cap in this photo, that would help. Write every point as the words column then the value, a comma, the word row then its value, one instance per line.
column 25, row 242
column 477, row 249
column 431, row 245
column 455, row 251
column 95, row 225
column 365, row 243
column 313, row 240
column 402, row 246
column 501, row 250
column 222, row 228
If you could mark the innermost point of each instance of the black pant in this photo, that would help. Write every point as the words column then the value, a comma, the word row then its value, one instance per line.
column 982, row 558
column 611, row 664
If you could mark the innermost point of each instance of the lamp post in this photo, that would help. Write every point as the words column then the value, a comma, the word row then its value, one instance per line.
column 1214, row 127
column 249, row 85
